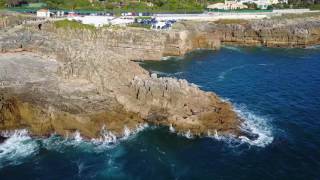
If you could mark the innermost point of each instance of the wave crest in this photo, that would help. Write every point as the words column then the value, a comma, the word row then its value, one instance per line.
column 255, row 124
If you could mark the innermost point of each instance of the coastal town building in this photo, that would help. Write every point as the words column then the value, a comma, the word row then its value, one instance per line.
column 60, row 14
column 228, row 5
column 43, row 13
column 241, row 4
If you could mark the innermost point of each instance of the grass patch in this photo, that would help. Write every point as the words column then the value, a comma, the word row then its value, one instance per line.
column 144, row 17
column 66, row 24
column 231, row 21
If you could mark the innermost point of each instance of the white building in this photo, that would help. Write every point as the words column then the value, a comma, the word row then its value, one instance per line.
column 43, row 13
column 216, row 6
column 97, row 21
column 228, row 5
column 262, row 4
column 60, row 13
column 240, row 4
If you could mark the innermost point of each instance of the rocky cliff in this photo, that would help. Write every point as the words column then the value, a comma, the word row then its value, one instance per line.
column 89, row 84
column 82, row 80
column 276, row 32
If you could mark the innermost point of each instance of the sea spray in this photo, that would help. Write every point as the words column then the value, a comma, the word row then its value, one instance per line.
column 127, row 133
column 257, row 125
column 186, row 134
column 107, row 140
column 172, row 129
column 17, row 148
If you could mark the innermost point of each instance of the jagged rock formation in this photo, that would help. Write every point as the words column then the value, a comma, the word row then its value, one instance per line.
column 94, row 84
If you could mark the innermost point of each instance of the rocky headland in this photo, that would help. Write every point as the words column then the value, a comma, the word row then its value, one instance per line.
column 64, row 80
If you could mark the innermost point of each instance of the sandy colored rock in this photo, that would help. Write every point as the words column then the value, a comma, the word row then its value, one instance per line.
column 276, row 32
column 85, row 81
column 74, row 86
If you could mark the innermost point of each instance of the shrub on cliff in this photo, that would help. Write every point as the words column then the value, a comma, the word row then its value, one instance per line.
column 2, row 3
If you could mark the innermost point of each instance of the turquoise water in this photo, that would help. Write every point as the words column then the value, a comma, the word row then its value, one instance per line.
column 275, row 90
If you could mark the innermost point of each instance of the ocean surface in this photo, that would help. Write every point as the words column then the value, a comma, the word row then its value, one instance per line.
column 276, row 91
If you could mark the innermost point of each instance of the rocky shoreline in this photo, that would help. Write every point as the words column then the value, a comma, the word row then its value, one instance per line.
column 66, row 80
column 58, row 84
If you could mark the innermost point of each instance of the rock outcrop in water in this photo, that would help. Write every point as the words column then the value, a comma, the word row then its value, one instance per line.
column 85, row 81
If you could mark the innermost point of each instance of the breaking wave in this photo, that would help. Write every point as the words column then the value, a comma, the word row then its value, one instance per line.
column 130, row 133
column 107, row 140
column 257, row 126
column 19, row 145
column 253, row 124
column 17, row 148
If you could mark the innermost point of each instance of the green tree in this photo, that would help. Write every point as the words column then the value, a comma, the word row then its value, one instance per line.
column 2, row 3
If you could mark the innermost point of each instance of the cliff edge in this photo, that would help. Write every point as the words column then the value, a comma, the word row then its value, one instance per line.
column 65, row 80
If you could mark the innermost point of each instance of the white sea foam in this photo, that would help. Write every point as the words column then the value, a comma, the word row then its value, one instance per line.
column 233, row 48
column 262, row 64
column 165, row 58
column 171, row 129
column 166, row 74
column 128, row 133
column 313, row 47
column 77, row 137
column 17, row 148
column 187, row 134
column 107, row 140
column 224, row 73
column 255, row 124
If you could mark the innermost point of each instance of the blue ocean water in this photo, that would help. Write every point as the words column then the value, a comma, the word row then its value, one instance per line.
column 277, row 91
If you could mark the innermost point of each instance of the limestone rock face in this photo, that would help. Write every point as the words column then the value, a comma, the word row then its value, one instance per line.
column 33, row 96
column 282, row 32
column 85, row 81
column 91, row 85
column 272, row 33
column 177, row 103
